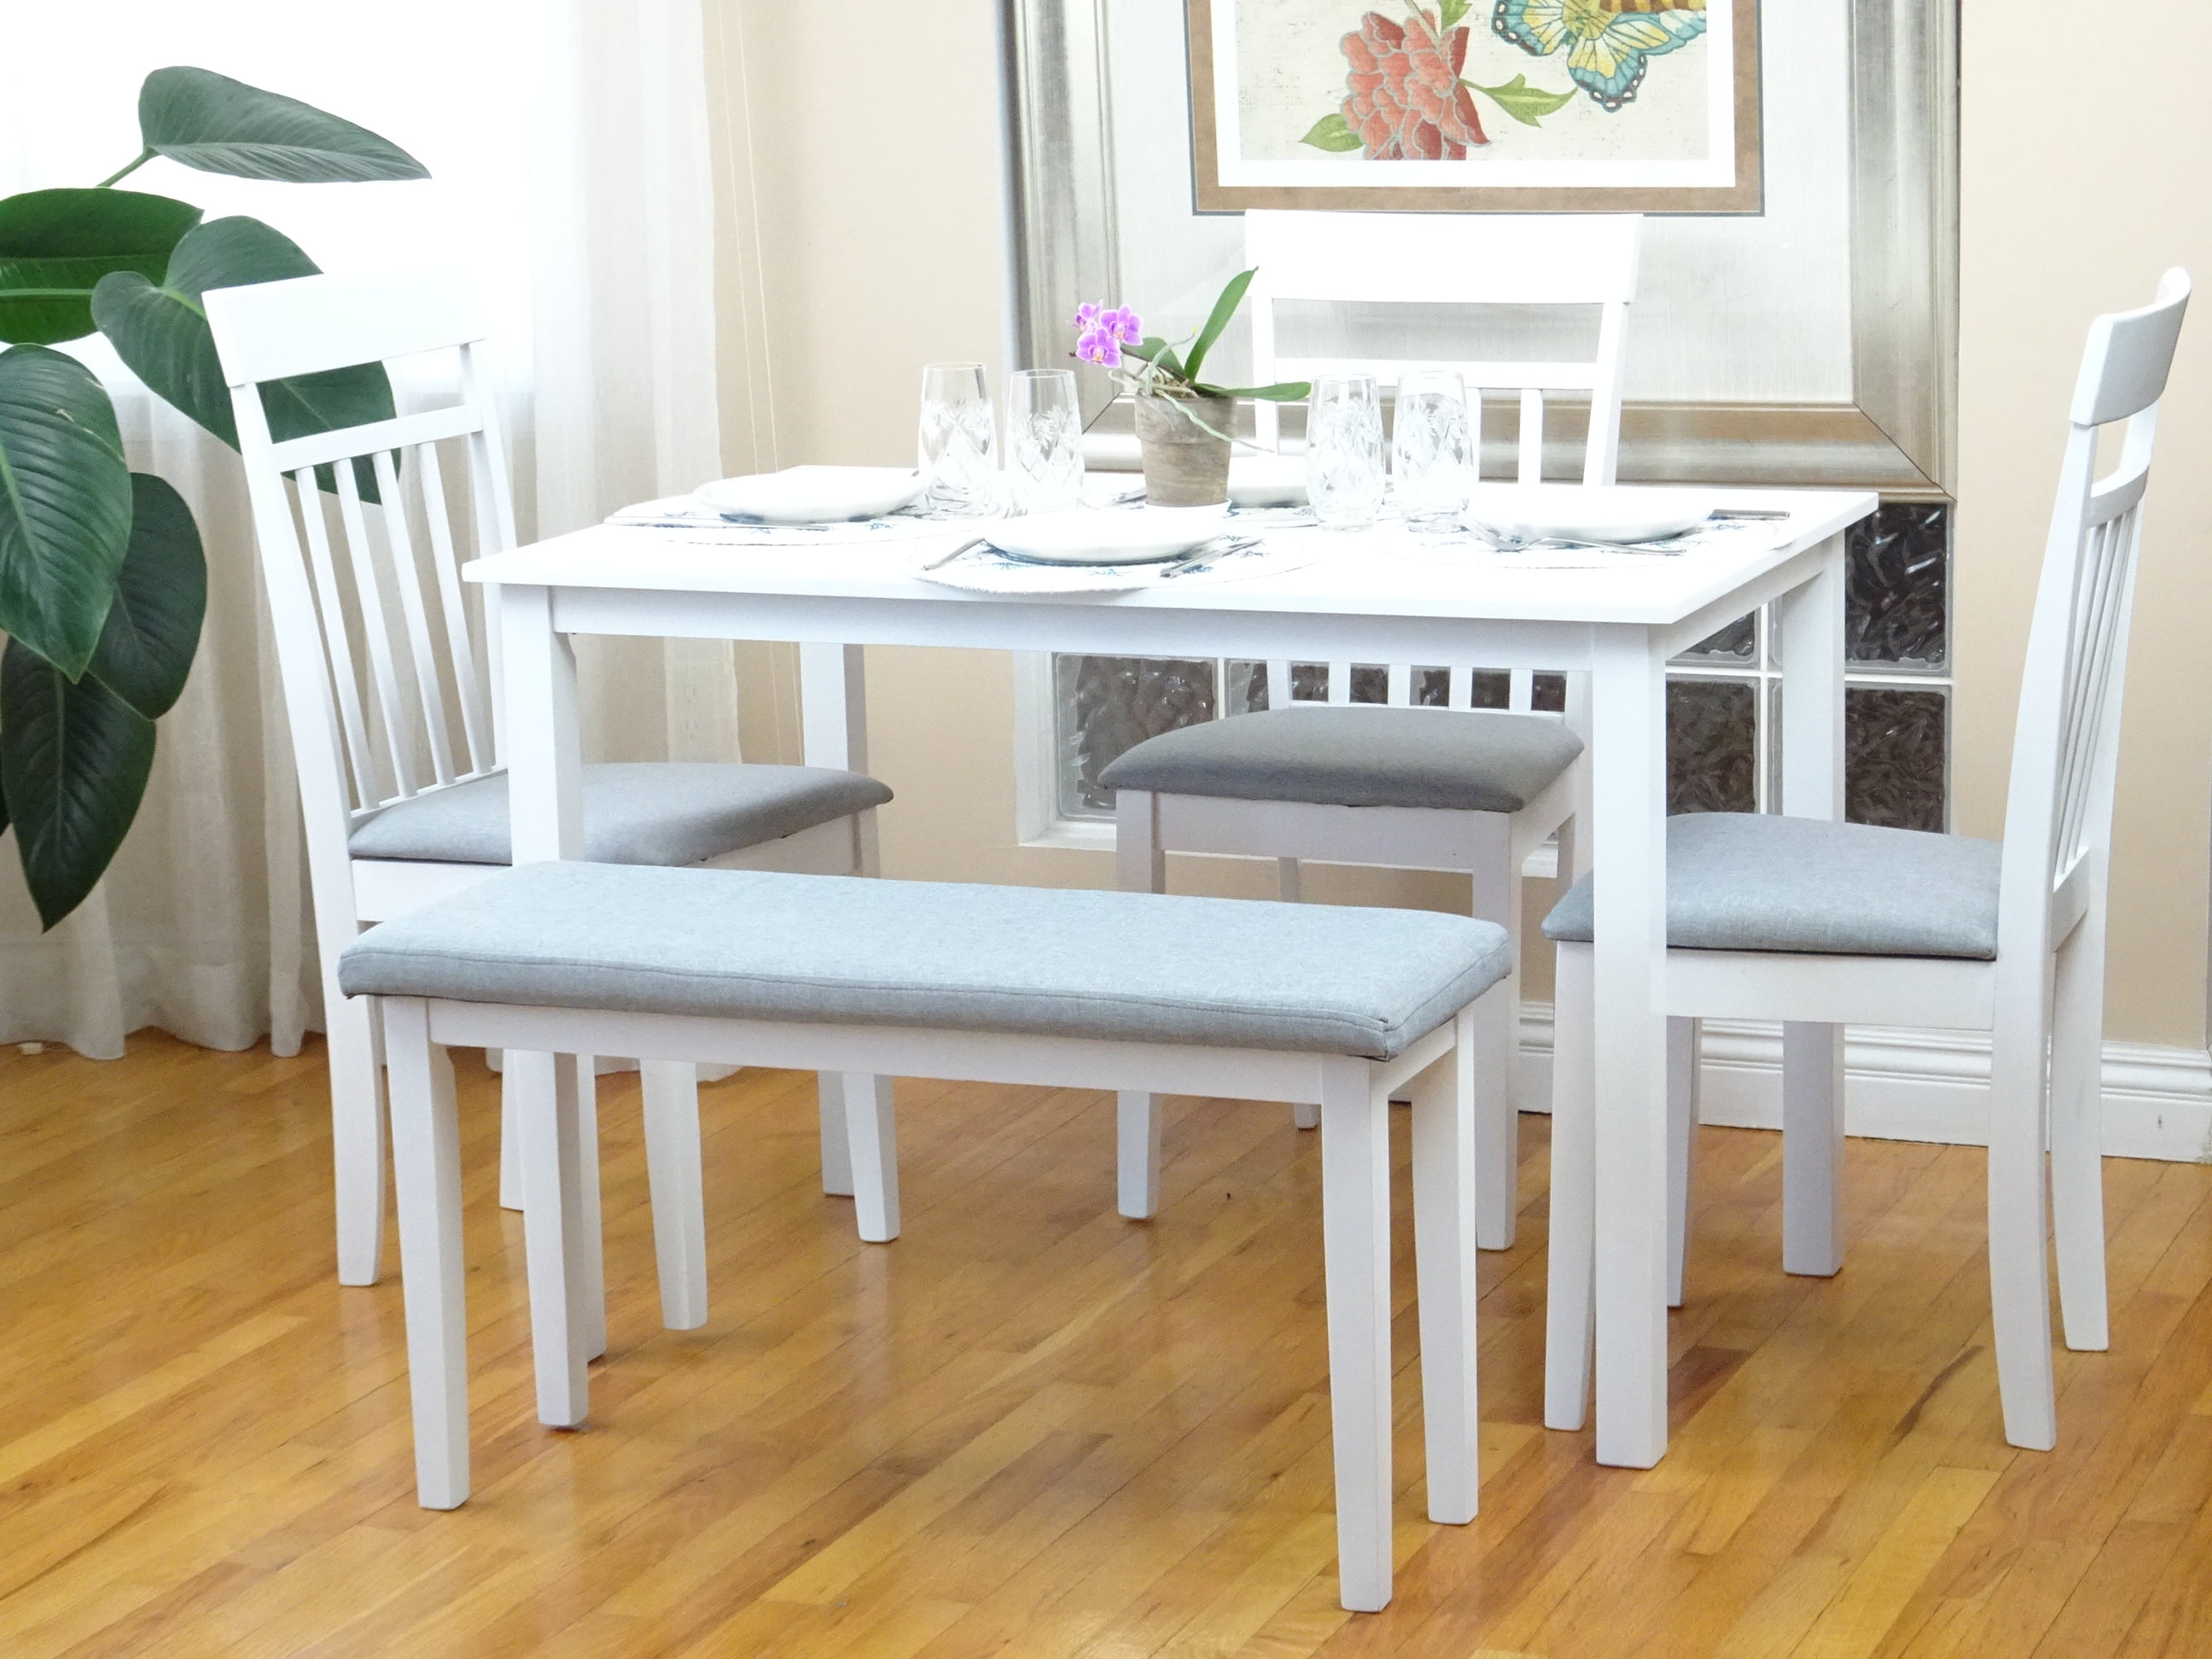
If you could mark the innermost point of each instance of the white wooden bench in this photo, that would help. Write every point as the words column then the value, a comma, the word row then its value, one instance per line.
column 1105, row 990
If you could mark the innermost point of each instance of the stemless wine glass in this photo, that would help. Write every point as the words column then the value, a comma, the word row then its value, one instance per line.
column 1044, row 440
column 1432, row 448
column 1343, row 452
column 958, row 436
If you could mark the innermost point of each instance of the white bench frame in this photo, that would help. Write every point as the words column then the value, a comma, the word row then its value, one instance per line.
column 1354, row 1096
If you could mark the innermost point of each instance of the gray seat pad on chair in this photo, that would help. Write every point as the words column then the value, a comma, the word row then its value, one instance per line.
column 741, row 943
column 1356, row 755
column 665, row 812
column 1739, row 881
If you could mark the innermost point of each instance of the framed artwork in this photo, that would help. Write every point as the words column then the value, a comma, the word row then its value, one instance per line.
column 1444, row 106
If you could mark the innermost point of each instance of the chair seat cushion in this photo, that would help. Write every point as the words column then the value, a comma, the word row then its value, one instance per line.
column 741, row 943
column 1739, row 881
column 1356, row 755
column 666, row 812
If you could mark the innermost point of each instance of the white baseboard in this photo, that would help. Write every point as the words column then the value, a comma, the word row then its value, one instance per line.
column 1907, row 1085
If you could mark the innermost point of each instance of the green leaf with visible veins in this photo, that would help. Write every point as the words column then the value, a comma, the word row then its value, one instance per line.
column 1524, row 102
column 1332, row 133
column 145, row 651
column 217, row 124
column 74, row 761
column 64, row 504
column 56, row 244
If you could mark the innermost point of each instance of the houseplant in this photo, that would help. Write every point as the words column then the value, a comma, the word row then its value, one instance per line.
column 102, row 583
column 1184, row 424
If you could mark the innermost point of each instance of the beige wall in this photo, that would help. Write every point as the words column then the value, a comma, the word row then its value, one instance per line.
column 873, row 178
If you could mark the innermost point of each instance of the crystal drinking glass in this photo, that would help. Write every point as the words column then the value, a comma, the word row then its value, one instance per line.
column 1432, row 448
column 958, row 436
column 1044, row 440
column 1343, row 452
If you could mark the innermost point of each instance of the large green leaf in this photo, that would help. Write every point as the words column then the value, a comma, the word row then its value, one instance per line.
column 74, row 761
column 1335, row 134
column 217, row 124
column 55, row 244
column 145, row 651
column 1232, row 296
column 64, row 504
column 161, row 332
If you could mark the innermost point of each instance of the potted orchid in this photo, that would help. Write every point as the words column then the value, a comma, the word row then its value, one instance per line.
column 1183, row 424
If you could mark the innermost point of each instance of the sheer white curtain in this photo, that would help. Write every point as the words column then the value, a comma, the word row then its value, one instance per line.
column 567, row 143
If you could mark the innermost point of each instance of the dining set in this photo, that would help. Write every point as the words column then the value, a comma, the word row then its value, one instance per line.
column 478, row 884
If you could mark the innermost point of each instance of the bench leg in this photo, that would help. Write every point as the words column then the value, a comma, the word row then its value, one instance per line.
column 553, row 1217
column 871, row 1132
column 1445, row 1172
column 510, row 1142
column 1684, row 1075
column 357, row 1109
column 1137, row 1154
column 427, row 1171
column 1571, row 1248
column 836, row 1152
column 670, row 1091
column 1355, row 1162
column 1812, row 1148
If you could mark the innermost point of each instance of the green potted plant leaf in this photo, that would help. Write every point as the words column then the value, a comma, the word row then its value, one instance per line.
column 103, row 585
column 1183, row 424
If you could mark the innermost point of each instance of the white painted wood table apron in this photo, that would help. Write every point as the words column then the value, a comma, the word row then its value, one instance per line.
column 1619, row 625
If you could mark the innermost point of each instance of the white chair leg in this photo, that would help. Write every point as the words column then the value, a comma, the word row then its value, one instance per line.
column 871, row 1132
column 1496, row 1045
column 2019, row 1286
column 553, row 1222
column 1812, row 1148
column 426, row 1147
column 836, row 1151
column 1571, row 1251
column 510, row 1144
column 357, row 1135
column 592, row 1287
column 1290, row 882
column 1684, row 1075
column 1355, row 1162
column 1446, row 1101
column 1306, row 1114
column 2077, row 1149
column 1137, row 1154
column 670, row 1092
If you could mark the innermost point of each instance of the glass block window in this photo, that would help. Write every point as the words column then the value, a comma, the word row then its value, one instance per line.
column 1722, row 697
column 1724, row 693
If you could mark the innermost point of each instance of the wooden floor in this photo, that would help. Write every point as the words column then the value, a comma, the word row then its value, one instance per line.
column 1029, row 1428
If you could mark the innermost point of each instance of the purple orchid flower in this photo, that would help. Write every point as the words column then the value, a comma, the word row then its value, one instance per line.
column 1103, row 331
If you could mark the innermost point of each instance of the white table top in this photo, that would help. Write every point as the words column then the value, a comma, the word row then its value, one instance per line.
column 1651, row 592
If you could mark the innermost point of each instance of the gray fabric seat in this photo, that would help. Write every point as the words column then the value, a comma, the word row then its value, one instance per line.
column 1739, row 881
column 842, row 950
column 1356, row 755
column 665, row 812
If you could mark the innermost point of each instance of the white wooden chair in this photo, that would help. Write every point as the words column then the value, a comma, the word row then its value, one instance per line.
column 394, row 724
column 1066, row 989
column 1414, row 787
column 1821, row 924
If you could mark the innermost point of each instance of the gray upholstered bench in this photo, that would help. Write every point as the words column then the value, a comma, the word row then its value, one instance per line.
column 1104, row 990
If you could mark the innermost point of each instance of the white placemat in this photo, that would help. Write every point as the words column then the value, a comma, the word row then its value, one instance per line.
column 985, row 570
column 709, row 529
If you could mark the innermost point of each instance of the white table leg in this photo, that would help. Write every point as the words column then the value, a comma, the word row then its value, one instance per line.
column 832, row 724
column 538, row 739
column 1628, row 836
column 1810, row 621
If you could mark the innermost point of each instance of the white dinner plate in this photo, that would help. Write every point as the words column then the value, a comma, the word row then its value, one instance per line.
column 1268, row 481
column 813, row 494
column 1585, row 513
column 1093, row 535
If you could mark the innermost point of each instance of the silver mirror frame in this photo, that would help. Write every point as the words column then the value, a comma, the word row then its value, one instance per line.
column 1897, row 433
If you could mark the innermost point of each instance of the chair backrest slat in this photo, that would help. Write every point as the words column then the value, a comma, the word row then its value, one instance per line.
column 470, row 689
column 329, row 621
column 376, row 634
column 1523, row 261
column 408, row 580
column 321, row 448
column 2066, row 744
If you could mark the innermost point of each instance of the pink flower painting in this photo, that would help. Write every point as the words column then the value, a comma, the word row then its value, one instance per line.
column 1405, row 99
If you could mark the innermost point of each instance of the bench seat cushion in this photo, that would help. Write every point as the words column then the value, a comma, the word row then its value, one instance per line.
column 1739, row 881
column 742, row 944
column 662, row 812
column 1356, row 755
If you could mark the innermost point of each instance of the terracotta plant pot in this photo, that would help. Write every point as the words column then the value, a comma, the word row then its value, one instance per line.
column 1185, row 465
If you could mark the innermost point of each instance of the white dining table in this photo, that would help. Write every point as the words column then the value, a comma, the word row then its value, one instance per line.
column 1619, row 625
